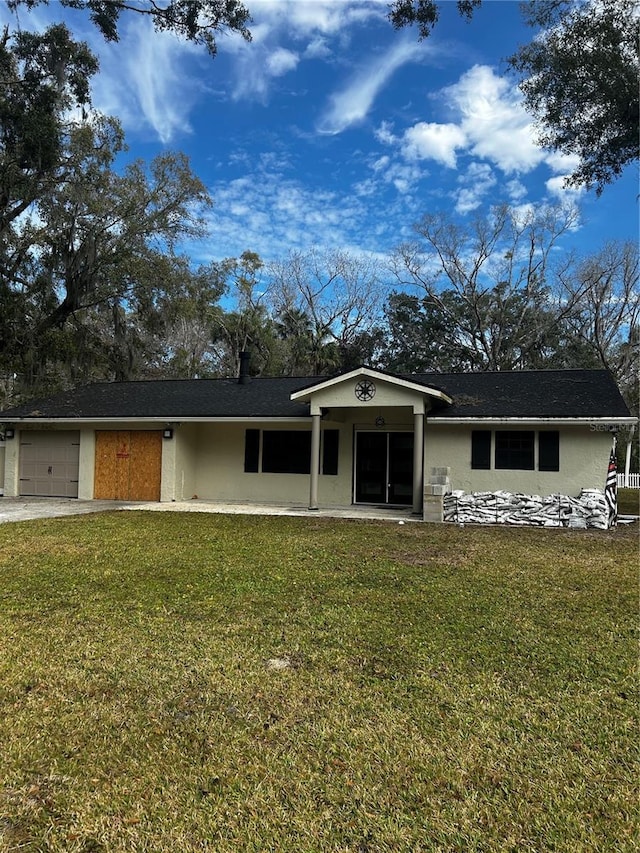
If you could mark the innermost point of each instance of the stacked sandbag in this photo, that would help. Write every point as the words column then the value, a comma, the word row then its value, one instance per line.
column 587, row 510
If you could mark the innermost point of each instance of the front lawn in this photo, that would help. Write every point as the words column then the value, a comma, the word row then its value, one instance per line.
column 192, row 682
column 628, row 501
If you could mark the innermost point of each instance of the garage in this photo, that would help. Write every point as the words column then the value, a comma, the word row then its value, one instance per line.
column 128, row 465
column 49, row 463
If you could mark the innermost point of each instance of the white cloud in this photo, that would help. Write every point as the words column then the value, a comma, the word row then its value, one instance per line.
column 561, row 163
column 381, row 164
column 555, row 187
column 271, row 214
column 491, row 125
column 385, row 134
column 142, row 81
column 305, row 17
column 309, row 24
column 474, row 185
column 435, row 142
column 516, row 190
column 282, row 61
column 317, row 48
column 494, row 121
column 352, row 104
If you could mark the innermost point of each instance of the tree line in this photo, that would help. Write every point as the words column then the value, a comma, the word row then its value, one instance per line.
column 94, row 286
column 98, row 300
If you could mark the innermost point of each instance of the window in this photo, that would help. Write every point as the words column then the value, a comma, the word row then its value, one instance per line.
column 515, row 450
column 549, row 450
column 286, row 451
column 481, row 449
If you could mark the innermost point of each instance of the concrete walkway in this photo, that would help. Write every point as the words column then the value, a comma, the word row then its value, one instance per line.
column 25, row 509
column 371, row 512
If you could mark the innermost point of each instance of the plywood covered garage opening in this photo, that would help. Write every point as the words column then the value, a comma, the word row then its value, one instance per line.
column 49, row 463
column 128, row 465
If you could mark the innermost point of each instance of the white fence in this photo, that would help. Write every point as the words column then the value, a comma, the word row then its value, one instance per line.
column 630, row 482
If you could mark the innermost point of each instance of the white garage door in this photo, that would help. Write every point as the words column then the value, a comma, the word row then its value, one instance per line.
column 49, row 463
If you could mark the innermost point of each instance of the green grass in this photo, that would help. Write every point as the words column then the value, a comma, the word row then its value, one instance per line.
column 629, row 501
column 448, row 689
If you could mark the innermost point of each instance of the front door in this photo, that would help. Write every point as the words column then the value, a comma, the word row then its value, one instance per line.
column 384, row 468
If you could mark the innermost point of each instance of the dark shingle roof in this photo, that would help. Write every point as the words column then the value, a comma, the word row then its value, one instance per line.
column 530, row 394
column 170, row 399
column 526, row 394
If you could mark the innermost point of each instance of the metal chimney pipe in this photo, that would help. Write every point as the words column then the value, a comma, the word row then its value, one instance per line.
column 243, row 377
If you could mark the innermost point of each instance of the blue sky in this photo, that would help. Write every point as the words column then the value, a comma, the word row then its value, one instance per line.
column 333, row 130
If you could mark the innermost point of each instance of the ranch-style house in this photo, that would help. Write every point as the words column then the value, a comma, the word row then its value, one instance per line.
column 362, row 437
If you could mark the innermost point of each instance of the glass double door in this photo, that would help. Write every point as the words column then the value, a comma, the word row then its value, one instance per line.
column 384, row 468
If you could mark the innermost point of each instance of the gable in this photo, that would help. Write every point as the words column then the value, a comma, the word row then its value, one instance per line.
column 368, row 388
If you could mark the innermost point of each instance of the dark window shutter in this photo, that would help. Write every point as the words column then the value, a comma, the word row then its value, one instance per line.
column 251, row 450
column 481, row 449
column 330, row 440
column 549, row 450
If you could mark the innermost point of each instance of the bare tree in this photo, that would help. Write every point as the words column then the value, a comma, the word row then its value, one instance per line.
column 605, row 294
column 339, row 294
column 490, row 281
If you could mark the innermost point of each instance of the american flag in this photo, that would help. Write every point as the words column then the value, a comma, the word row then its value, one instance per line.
column 611, row 488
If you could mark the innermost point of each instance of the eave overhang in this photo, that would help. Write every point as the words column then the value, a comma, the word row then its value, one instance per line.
column 585, row 421
column 174, row 419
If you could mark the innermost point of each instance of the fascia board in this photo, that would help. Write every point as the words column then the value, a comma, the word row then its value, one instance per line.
column 621, row 421
column 168, row 419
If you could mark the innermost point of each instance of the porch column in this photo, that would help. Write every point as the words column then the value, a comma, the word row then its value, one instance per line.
column 315, row 461
column 627, row 461
column 418, row 461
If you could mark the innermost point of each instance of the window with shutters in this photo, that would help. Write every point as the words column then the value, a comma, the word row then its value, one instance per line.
column 515, row 450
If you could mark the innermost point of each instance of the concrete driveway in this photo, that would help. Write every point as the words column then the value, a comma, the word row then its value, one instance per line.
column 26, row 509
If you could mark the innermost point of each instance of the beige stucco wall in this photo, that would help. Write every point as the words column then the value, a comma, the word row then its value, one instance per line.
column 584, row 455
column 11, row 453
column 216, row 454
column 87, row 464
column 220, row 468
column 207, row 460
column 179, row 464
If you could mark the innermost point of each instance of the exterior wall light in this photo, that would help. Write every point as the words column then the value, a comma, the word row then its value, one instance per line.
column 9, row 432
column 167, row 432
